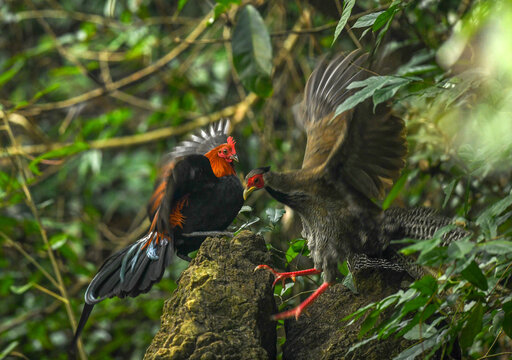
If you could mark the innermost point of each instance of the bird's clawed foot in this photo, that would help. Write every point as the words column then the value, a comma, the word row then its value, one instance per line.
column 297, row 311
column 287, row 275
column 278, row 276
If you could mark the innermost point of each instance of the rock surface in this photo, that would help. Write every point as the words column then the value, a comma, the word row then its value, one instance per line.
column 221, row 308
column 323, row 335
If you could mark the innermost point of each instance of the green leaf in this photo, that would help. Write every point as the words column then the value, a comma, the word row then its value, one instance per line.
column 387, row 93
column 181, row 4
column 62, row 152
column 395, row 190
column 296, row 248
column 385, row 17
column 427, row 285
column 361, row 343
column 18, row 290
column 348, row 281
column 420, row 331
column 366, row 20
column 507, row 324
column 347, row 10
column 474, row 275
column 299, row 245
column 423, row 245
column 274, row 215
column 56, row 241
column 248, row 223
column 369, row 85
column 369, row 322
column 286, row 287
column 8, row 349
column 459, row 249
column 221, row 7
column 245, row 208
column 486, row 219
column 343, row 268
column 252, row 52
column 13, row 70
column 472, row 327
column 384, row 20
column 416, row 350
column 290, row 254
column 497, row 247
column 448, row 189
column 46, row 90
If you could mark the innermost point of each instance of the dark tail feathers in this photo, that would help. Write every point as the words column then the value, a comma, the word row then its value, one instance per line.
column 129, row 272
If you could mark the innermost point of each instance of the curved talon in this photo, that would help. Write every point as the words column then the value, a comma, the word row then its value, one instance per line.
column 259, row 267
column 284, row 275
column 296, row 312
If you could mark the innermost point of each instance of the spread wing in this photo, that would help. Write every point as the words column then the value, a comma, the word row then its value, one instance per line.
column 325, row 89
column 362, row 148
column 372, row 152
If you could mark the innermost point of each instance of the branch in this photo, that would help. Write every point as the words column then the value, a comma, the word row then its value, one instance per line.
column 136, row 76
column 237, row 110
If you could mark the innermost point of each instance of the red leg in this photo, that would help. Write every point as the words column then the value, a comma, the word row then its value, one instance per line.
column 292, row 274
column 298, row 310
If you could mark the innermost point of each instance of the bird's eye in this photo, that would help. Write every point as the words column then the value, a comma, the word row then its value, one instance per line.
column 225, row 151
column 257, row 180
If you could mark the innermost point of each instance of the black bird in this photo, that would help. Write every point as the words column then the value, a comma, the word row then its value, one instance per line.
column 197, row 194
column 349, row 160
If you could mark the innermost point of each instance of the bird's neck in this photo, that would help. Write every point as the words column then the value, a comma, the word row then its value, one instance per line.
column 220, row 166
column 279, row 186
column 280, row 196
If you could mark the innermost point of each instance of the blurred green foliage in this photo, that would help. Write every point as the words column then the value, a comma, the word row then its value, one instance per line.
column 94, row 94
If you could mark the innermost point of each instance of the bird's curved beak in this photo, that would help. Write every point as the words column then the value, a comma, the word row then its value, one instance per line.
column 248, row 192
column 234, row 157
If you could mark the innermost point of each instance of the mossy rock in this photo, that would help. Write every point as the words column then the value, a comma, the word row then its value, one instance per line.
column 221, row 308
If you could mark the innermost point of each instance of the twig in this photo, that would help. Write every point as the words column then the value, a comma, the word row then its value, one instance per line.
column 139, row 138
column 51, row 293
column 100, row 20
column 62, row 51
column 136, row 76
column 30, row 203
column 29, row 258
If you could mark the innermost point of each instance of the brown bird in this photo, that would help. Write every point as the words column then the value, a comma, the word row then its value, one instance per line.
column 349, row 160
column 197, row 194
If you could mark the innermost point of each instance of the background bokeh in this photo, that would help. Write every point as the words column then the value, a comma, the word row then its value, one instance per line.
column 93, row 94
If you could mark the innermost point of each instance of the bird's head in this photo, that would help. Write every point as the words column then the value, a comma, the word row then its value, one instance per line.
column 254, row 180
column 227, row 151
column 221, row 158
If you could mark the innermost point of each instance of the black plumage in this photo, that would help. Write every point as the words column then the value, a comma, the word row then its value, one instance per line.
column 198, row 191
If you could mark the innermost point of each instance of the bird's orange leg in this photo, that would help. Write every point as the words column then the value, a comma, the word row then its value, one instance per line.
column 295, row 312
column 285, row 275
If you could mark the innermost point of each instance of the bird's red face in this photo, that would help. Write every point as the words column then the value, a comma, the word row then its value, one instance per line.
column 254, row 181
column 228, row 151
